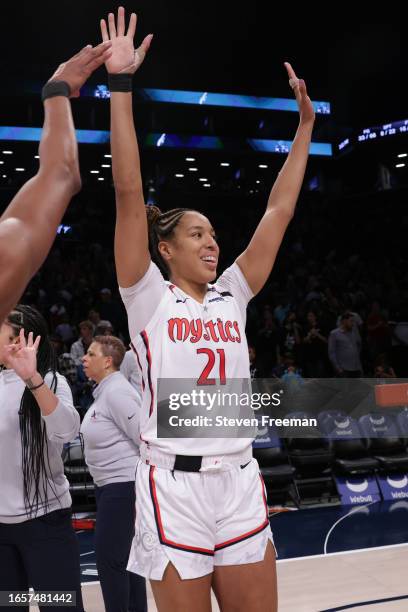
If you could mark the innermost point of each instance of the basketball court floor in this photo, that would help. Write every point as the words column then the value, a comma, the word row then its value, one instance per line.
column 330, row 559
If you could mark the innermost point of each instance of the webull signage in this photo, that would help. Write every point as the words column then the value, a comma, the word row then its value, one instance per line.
column 354, row 491
column 393, row 486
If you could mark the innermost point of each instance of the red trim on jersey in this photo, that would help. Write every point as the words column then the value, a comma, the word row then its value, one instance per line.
column 138, row 362
column 159, row 523
column 264, row 496
column 149, row 369
column 248, row 534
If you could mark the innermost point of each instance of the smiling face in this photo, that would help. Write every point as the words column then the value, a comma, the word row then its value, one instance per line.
column 192, row 252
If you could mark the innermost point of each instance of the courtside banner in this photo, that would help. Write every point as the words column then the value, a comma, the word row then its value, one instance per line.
column 393, row 486
column 354, row 491
column 287, row 407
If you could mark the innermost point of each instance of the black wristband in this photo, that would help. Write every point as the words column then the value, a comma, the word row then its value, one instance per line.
column 120, row 82
column 55, row 88
column 36, row 387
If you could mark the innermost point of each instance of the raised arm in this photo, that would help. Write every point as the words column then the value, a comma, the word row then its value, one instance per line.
column 131, row 235
column 29, row 225
column 256, row 262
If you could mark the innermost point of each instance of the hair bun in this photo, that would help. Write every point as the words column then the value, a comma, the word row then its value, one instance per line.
column 153, row 214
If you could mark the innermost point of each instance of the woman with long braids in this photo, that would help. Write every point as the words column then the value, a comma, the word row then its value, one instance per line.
column 38, row 546
column 201, row 514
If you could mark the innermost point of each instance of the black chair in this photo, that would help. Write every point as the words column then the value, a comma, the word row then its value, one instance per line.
column 385, row 443
column 81, row 485
column 402, row 421
column 350, row 448
column 310, row 454
column 276, row 471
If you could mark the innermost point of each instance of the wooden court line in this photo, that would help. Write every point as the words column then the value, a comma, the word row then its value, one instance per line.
column 365, row 603
column 342, row 518
column 343, row 552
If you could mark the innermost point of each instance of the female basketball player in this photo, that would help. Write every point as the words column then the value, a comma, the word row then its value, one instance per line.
column 38, row 546
column 201, row 511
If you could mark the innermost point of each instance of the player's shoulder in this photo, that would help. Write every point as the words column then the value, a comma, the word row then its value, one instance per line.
column 224, row 288
column 217, row 292
column 175, row 294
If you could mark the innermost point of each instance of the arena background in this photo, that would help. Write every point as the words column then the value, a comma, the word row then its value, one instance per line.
column 344, row 251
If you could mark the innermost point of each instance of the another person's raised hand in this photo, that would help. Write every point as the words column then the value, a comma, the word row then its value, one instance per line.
column 79, row 68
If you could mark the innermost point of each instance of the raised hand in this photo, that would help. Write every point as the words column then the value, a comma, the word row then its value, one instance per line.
column 22, row 357
column 79, row 68
column 305, row 106
column 124, row 57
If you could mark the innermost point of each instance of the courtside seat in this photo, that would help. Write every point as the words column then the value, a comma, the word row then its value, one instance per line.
column 350, row 448
column 272, row 458
column 75, row 468
column 326, row 418
column 385, row 443
column 310, row 454
column 402, row 421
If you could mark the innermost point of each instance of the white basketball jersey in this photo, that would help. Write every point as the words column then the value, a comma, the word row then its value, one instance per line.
column 175, row 336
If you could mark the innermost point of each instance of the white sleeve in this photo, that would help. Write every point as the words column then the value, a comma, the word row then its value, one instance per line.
column 233, row 281
column 142, row 299
column 63, row 423
column 126, row 366
column 131, row 372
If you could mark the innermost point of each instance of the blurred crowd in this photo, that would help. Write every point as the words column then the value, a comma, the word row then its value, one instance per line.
column 336, row 303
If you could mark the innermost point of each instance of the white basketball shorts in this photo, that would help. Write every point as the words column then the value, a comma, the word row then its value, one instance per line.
column 198, row 520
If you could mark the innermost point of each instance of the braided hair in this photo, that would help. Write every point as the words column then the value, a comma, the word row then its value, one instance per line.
column 161, row 226
column 34, row 442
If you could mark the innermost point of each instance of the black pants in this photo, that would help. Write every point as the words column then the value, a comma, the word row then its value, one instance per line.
column 122, row 591
column 41, row 553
